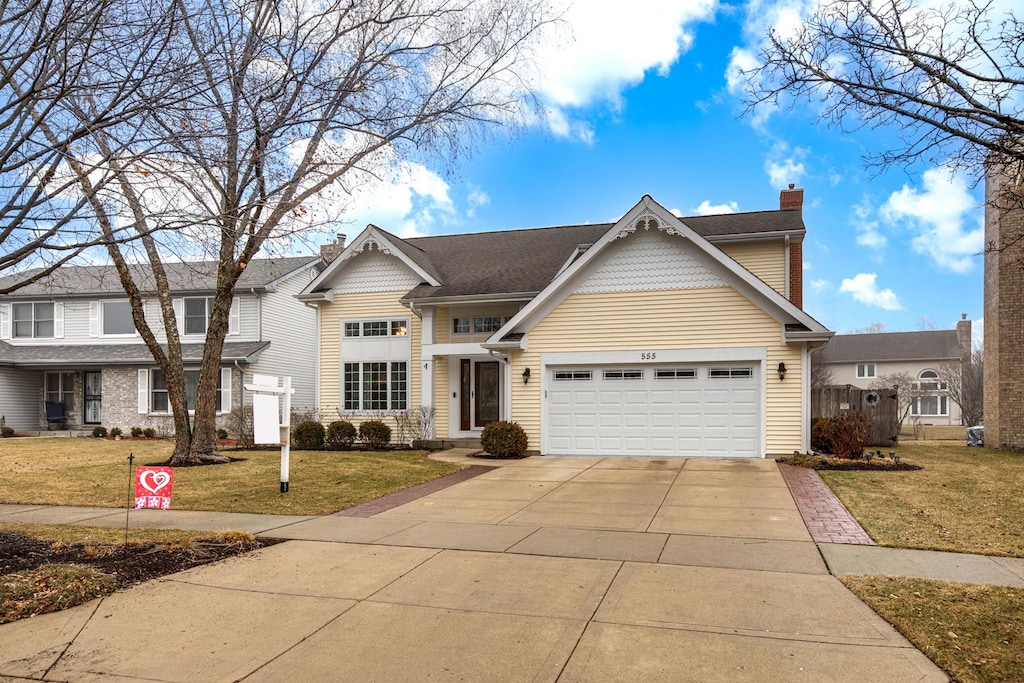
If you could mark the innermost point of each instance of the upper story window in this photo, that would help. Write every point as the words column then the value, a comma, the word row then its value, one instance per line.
column 197, row 314
column 481, row 324
column 117, row 318
column 866, row 371
column 377, row 328
column 32, row 320
column 929, row 380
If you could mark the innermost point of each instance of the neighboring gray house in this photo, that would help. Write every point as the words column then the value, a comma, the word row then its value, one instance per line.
column 70, row 339
column 861, row 359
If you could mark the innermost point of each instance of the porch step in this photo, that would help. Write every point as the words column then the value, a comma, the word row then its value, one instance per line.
column 445, row 444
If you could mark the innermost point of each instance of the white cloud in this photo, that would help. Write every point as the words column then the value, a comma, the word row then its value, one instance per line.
column 476, row 199
column 785, row 165
column 978, row 333
column 604, row 47
column 863, row 287
column 868, row 234
column 941, row 216
column 821, row 285
column 706, row 208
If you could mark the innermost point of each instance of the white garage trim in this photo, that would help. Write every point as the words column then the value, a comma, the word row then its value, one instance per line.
column 645, row 391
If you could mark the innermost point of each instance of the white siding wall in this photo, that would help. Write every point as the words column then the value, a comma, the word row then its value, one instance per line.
column 21, row 398
column 290, row 327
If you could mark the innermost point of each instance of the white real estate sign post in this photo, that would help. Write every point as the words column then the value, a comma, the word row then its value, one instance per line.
column 271, row 416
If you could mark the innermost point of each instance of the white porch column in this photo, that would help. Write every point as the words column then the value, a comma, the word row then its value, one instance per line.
column 426, row 368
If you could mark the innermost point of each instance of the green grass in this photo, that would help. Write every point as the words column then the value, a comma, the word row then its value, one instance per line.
column 975, row 633
column 94, row 472
column 963, row 500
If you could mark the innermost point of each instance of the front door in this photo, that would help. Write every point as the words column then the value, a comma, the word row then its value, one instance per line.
column 480, row 393
column 486, row 392
column 93, row 398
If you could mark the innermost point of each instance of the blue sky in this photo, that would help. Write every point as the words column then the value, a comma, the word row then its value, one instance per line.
column 642, row 98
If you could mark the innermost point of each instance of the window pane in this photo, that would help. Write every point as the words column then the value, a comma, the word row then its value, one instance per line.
column 160, row 404
column 191, row 387
column 488, row 323
column 22, row 319
column 460, row 326
column 158, row 381
column 399, row 328
column 377, row 328
column 196, row 315
column 351, row 329
column 375, row 386
column 117, row 318
column 67, row 382
column 351, row 386
column 398, row 386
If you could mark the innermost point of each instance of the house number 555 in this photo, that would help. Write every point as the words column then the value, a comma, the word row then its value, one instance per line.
column 648, row 355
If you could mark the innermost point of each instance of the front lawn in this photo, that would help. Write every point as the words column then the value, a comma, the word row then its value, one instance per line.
column 963, row 500
column 94, row 472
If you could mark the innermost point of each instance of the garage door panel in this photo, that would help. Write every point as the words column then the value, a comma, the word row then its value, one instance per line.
column 671, row 415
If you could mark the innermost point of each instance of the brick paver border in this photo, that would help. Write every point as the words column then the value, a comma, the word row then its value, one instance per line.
column 825, row 516
column 393, row 500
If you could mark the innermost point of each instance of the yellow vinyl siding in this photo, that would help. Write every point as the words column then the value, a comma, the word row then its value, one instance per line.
column 669, row 319
column 765, row 259
column 441, row 412
column 372, row 305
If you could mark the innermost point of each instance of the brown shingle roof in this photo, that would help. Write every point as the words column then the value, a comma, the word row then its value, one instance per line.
column 892, row 346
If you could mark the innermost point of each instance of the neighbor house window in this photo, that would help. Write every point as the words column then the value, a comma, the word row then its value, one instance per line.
column 930, row 406
column 117, row 318
column 866, row 371
column 928, row 380
column 32, row 321
column 60, row 387
column 376, row 385
column 158, row 397
column 197, row 314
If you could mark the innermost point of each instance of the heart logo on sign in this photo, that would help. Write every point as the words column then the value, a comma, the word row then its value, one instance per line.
column 154, row 481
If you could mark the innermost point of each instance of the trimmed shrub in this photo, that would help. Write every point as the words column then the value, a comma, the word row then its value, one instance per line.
column 848, row 434
column 308, row 435
column 137, row 432
column 149, row 432
column 115, row 432
column 99, row 432
column 6, row 432
column 504, row 439
column 375, row 434
column 222, row 434
column 819, row 443
column 341, row 434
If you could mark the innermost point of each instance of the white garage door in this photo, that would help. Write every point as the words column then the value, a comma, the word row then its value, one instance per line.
column 692, row 410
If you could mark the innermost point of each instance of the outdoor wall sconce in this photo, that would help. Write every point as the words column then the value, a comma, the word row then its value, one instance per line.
column 526, row 375
column 782, row 371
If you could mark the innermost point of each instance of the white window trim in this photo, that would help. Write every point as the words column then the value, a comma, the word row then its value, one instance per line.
column 7, row 321
column 472, row 324
column 868, row 374
column 361, row 409
column 101, row 311
column 915, row 407
column 145, row 395
column 388, row 321
column 234, row 317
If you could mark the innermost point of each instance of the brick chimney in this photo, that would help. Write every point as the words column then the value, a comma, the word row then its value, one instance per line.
column 791, row 199
column 331, row 250
column 963, row 337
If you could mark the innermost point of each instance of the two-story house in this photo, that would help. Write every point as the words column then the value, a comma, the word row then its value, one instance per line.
column 867, row 360
column 70, row 339
column 654, row 335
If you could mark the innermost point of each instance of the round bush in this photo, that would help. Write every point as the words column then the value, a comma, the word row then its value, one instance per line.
column 137, row 432
column 222, row 434
column 341, row 434
column 375, row 434
column 504, row 439
column 99, row 432
column 115, row 432
column 6, row 432
column 149, row 432
column 308, row 435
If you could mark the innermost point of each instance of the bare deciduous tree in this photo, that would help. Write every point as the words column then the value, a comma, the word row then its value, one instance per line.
column 907, row 392
column 52, row 54
column 965, row 382
column 278, row 104
column 821, row 372
column 949, row 78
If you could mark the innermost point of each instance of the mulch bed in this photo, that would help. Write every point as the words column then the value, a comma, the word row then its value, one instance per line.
column 817, row 462
column 129, row 565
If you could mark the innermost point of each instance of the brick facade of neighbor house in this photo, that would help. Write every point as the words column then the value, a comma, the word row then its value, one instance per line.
column 1004, row 312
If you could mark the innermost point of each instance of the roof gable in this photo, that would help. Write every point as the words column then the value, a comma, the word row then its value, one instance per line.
column 708, row 262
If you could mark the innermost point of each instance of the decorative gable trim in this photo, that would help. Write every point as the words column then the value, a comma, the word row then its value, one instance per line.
column 370, row 240
column 649, row 215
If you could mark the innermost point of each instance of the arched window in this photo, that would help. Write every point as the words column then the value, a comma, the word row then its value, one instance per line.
column 932, row 400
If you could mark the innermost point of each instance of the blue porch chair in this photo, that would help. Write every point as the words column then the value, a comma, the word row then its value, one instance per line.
column 55, row 414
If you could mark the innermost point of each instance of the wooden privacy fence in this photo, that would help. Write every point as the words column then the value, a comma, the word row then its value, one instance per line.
column 880, row 404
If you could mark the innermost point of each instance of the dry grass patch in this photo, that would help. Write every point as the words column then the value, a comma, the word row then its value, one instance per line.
column 962, row 500
column 92, row 472
column 975, row 633
column 50, row 588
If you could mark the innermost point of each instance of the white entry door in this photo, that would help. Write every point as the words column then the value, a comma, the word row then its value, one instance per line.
column 693, row 410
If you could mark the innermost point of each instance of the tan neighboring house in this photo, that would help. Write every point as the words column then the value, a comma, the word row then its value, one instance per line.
column 651, row 336
column 861, row 359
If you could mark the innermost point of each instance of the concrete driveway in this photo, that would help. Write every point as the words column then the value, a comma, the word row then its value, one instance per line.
column 546, row 569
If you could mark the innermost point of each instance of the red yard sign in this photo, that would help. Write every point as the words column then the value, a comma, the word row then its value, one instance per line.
column 153, row 487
